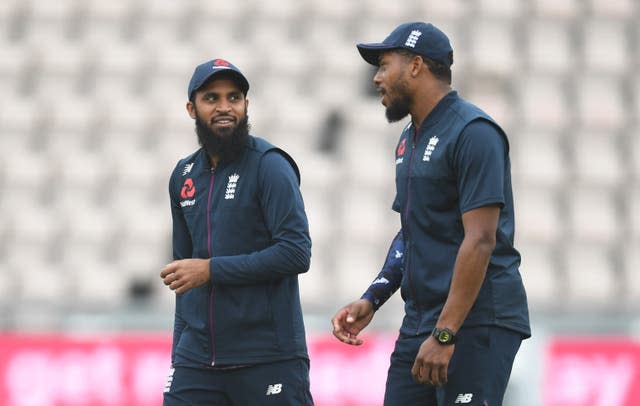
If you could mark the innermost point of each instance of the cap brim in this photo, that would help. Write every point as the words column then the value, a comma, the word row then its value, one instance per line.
column 371, row 52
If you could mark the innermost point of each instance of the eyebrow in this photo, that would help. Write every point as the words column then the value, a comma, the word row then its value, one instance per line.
column 218, row 94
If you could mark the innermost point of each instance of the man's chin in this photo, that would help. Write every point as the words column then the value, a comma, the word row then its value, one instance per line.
column 224, row 131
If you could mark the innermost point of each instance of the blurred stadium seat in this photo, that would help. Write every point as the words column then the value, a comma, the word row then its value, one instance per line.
column 549, row 47
column 592, row 279
column 93, row 121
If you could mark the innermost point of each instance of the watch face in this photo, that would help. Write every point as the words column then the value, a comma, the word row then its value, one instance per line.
column 444, row 336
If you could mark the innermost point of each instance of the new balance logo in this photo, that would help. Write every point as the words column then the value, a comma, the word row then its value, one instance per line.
column 464, row 398
column 413, row 38
column 274, row 389
column 187, row 168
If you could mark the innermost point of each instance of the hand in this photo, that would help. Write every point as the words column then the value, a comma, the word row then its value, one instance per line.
column 186, row 274
column 432, row 362
column 351, row 319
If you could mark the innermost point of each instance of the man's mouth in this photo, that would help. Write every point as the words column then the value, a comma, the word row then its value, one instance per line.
column 223, row 121
column 382, row 93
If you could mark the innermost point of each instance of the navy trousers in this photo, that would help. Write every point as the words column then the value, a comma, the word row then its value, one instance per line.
column 478, row 372
column 284, row 383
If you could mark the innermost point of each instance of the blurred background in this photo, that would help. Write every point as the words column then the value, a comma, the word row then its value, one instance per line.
column 93, row 120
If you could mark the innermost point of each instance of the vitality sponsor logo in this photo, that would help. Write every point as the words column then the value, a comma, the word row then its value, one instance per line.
column 274, row 389
column 187, row 192
column 400, row 151
column 464, row 398
column 401, row 147
column 188, row 189
column 230, row 193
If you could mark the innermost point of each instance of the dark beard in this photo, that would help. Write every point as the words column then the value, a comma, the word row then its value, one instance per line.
column 400, row 107
column 227, row 145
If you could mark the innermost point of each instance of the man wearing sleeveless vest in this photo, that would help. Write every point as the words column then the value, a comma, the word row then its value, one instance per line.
column 240, row 240
column 466, row 309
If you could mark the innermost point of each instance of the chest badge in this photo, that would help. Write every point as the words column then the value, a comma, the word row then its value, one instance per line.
column 431, row 146
column 230, row 193
column 400, row 151
column 187, row 193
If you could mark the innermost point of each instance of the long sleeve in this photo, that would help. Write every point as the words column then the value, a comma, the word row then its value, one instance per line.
column 390, row 277
column 181, row 242
column 284, row 215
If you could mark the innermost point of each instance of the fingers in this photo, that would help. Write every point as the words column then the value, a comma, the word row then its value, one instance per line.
column 171, row 278
column 338, row 320
column 435, row 375
column 180, row 287
column 168, row 269
column 347, row 338
column 341, row 329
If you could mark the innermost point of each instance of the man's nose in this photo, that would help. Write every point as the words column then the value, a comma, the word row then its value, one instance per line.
column 223, row 106
column 377, row 78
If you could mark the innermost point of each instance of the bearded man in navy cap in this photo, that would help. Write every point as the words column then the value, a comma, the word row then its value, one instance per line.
column 466, row 309
column 240, row 240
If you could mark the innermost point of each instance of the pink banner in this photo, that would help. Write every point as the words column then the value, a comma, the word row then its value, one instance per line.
column 592, row 372
column 131, row 369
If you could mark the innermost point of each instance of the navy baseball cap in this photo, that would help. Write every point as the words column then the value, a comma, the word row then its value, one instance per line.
column 208, row 69
column 420, row 38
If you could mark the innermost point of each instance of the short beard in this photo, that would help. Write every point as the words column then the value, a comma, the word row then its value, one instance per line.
column 227, row 145
column 400, row 107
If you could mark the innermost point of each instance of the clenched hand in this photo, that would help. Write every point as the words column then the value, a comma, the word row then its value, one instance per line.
column 432, row 363
column 186, row 274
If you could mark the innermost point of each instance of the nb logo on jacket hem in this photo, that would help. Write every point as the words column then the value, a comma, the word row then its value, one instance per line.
column 464, row 398
column 274, row 389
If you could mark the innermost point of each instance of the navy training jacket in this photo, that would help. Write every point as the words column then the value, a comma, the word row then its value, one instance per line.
column 248, row 217
column 438, row 178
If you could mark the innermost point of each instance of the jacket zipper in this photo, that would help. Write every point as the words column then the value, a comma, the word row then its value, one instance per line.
column 406, row 221
column 210, row 249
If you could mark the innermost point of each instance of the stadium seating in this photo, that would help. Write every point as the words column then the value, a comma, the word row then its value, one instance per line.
column 92, row 121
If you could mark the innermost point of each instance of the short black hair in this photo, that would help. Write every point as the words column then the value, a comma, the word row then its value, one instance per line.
column 439, row 70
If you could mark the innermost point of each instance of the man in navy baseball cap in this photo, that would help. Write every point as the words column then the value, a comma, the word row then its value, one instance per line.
column 454, row 258
column 420, row 38
column 208, row 69
column 240, row 239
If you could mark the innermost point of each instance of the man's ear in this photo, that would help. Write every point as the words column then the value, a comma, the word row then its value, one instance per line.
column 416, row 65
column 191, row 109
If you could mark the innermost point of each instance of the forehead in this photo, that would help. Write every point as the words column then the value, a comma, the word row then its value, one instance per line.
column 220, row 84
